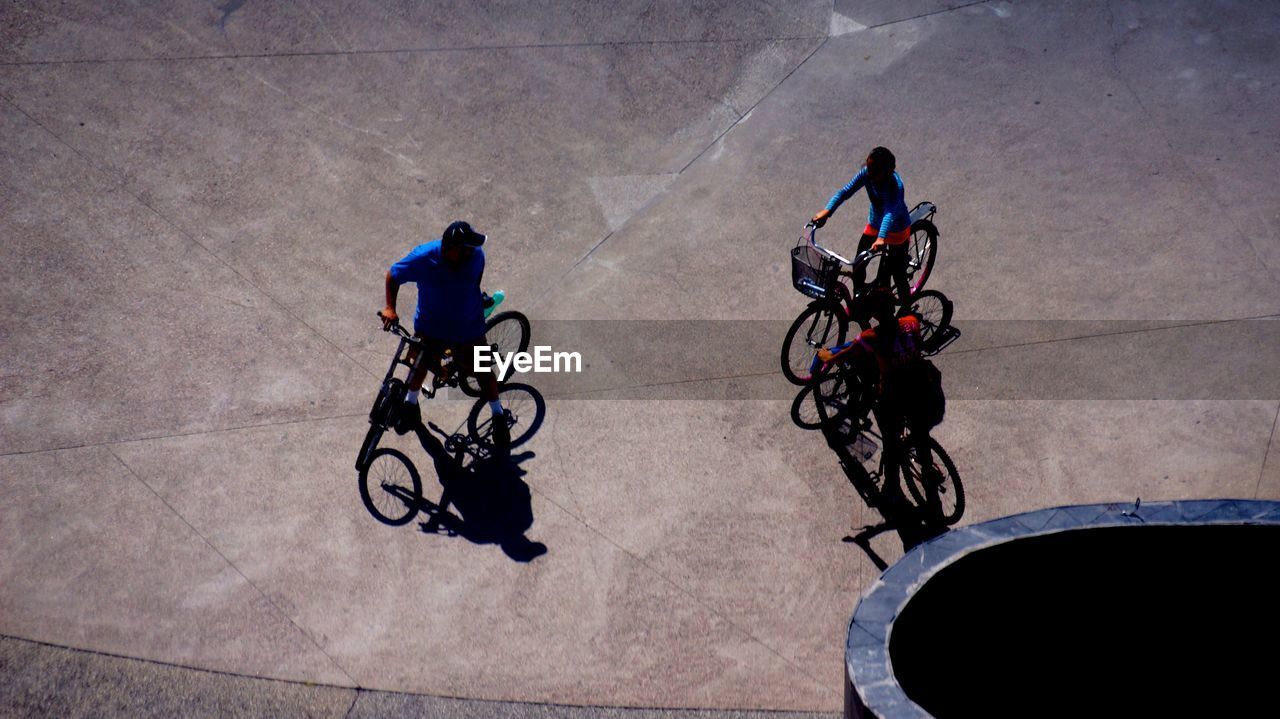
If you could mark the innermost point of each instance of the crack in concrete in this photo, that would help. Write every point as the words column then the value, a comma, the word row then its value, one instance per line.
column 162, row 663
column 741, row 118
column 189, row 237
column 408, row 51
column 233, row 566
column 1267, row 454
column 1015, row 345
column 354, row 699
column 658, row 197
column 683, row 590
column 754, row 105
column 941, row 11
column 1159, row 128
column 1181, row 325
column 178, row 435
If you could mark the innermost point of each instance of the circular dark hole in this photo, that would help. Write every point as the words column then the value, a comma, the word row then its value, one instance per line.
column 1136, row 621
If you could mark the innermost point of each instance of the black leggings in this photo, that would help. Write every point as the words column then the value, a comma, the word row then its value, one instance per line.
column 894, row 264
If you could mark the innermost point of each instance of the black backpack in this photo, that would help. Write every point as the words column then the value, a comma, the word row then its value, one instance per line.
column 918, row 395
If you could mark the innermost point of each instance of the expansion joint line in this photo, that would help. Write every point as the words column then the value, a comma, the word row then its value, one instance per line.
column 1187, row 168
column 188, row 236
column 176, row 435
column 742, row 116
column 681, row 171
column 405, row 51
column 679, row 587
column 233, row 566
column 1266, row 455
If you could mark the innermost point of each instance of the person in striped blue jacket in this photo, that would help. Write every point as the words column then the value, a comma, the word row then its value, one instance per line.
column 888, row 223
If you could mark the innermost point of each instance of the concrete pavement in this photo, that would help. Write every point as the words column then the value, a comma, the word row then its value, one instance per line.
column 197, row 203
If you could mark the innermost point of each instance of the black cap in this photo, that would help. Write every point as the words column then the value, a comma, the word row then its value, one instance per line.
column 460, row 233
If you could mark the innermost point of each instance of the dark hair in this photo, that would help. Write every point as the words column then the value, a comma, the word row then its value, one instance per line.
column 882, row 159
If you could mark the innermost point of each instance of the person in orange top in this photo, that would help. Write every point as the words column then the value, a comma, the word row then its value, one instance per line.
column 904, row 400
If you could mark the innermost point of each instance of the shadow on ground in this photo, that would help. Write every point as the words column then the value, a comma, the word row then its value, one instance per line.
column 485, row 498
column 856, row 447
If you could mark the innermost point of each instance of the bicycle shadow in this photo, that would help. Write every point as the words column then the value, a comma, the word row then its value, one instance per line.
column 484, row 499
column 913, row 525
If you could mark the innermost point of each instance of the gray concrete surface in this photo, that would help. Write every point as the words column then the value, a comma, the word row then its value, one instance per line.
column 197, row 202
column 44, row 680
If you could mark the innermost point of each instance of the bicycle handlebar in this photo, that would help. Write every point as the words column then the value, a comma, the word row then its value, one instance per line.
column 860, row 258
column 398, row 329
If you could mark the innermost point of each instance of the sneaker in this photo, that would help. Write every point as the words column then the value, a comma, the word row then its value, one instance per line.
column 408, row 417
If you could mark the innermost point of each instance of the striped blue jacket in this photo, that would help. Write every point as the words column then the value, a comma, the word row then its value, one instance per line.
column 888, row 208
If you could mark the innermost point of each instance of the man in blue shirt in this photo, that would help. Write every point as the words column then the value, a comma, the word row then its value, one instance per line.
column 450, row 313
column 888, row 223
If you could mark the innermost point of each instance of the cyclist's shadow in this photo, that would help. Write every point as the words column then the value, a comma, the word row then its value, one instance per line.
column 484, row 501
column 912, row 525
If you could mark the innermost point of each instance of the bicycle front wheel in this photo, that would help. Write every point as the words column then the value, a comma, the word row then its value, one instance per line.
column 822, row 324
column 366, row 448
column 841, row 396
column 505, row 332
column 936, row 487
column 804, row 408
column 523, row 405
column 390, row 487
column 922, row 248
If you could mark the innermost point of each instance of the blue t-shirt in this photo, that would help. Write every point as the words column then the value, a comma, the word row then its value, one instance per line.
column 888, row 208
column 449, row 302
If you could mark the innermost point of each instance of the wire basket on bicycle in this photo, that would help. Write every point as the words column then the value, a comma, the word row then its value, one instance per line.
column 813, row 273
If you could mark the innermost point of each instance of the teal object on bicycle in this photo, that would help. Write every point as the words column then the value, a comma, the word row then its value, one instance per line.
column 493, row 301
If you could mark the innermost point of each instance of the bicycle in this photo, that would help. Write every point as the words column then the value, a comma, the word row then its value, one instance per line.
column 816, row 272
column 939, row 491
column 846, row 385
column 506, row 332
column 394, row 496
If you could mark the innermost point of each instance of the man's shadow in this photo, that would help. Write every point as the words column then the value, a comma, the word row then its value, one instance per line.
column 855, row 447
column 484, row 501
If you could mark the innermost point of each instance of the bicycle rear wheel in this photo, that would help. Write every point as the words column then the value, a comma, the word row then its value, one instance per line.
column 922, row 248
column 524, row 406
column 505, row 332
column 934, row 310
column 821, row 324
column 936, row 488
column 390, row 487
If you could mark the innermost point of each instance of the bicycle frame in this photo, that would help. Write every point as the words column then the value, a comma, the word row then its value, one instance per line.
column 460, row 444
column 382, row 415
column 439, row 376
column 845, row 295
column 922, row 211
